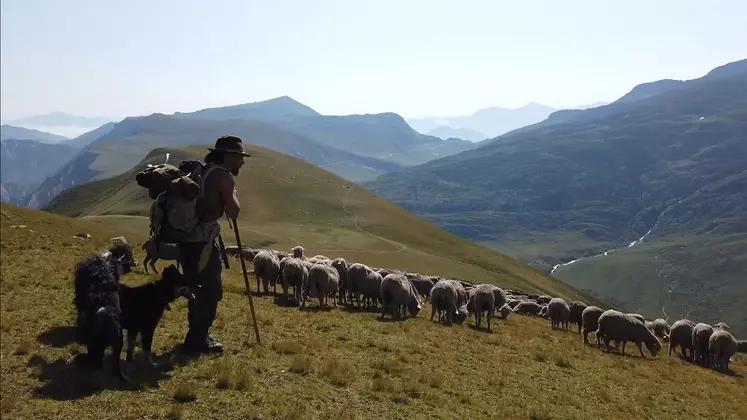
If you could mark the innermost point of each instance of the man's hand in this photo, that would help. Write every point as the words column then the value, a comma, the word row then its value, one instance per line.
column 229, row 196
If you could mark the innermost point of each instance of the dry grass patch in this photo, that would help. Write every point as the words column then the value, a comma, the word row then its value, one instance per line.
column 338, row 372
column 185, row 392
column 301, row 365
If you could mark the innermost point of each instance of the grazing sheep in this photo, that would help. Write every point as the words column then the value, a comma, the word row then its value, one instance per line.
column 681, row 335
column 319, row 259
column 266, row 268
column 323, row 280
column 423, row 284
column 722, row 346
column 543, row 311
column 298, row 252
column 620, row 327
column 482, row 299
column 341, row 266
column 505, row 311
column 590, row 322
column 397, row 293
column 559, row 313
column 294, row 273
column 577, row 308
column 660, row 328
column 362, row 280
column 513, row 302
column 444, row 301
column 701, row 333
column 638, row 317
column 160, row 251
column 462, row 312
column 528, row 307
column 543, row 300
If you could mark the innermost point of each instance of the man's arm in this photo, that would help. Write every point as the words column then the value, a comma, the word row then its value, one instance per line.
column 229, row 196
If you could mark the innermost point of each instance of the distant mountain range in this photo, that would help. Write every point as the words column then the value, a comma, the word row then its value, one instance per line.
column 358, row 147
column 446, row 132
column 20, row 133
column 24, row 164
column 666, row 162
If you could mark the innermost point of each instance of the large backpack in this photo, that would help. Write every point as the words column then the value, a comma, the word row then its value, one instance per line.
column 173, row 214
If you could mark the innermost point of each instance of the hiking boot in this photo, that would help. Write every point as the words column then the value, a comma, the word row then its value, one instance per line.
column 212, row 346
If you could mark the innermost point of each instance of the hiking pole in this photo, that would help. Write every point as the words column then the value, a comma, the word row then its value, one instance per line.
column 246, row 278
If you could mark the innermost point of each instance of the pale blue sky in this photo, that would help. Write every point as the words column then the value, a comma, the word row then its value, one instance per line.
column 416, row 58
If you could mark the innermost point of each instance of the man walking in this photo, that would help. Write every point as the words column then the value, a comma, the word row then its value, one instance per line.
column 200, row 253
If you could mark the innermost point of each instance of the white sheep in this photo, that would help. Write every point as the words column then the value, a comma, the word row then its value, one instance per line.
column 363, row 280
column 267, row 269
column 294, row 273
column 700, row 336
column 620, row 327
column 444, row 299
column 577, row 308
column 722, row 346
column 481, row 300
column 590, row 322
column 341, row 266
column 528, row 307
column 559, row 313
column 297, row 252
column 398, row 293
column 505, row 311
column 681, row 335
column 323, row 280
column 164, row 251
column 660, row 327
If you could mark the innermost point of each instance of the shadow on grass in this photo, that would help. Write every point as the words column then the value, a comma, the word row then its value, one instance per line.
column 72, row 380
column 58, row 337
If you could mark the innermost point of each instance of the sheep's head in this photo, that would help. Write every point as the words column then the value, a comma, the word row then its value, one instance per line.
column 298, row 251
column 414, row 306
column 653, row 345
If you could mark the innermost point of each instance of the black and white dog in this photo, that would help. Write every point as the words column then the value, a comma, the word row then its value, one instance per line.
column 106, row 307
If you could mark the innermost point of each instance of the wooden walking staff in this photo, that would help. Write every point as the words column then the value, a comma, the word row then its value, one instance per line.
column 246, row 278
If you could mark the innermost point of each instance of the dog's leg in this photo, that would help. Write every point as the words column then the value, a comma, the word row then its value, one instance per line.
column 153, row 263
column 117, row 357
column 147, row 337
column 131, row 338
column 145, row 263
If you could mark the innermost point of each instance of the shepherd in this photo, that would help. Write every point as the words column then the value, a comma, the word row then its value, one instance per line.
column 201, row 256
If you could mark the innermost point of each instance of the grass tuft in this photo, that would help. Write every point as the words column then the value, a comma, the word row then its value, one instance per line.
column 176, row 412
column 301, row 365
column 185, row 392
column 338, row 372
column 24, row 348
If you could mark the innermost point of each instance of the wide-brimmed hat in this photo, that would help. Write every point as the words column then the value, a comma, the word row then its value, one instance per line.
column 229, row 144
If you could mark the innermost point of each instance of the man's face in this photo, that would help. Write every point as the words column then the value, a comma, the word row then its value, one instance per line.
column 233, row 162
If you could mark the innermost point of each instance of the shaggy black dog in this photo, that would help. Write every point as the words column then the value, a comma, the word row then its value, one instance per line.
column 106, row 307
column 143, row 306
column 97, row 302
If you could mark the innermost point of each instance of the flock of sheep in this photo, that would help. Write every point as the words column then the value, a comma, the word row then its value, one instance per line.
column 400, row 292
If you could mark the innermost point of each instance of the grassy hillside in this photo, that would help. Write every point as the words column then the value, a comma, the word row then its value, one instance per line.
column 700, row 277
column 287, row 201
column 670, row 160
column 335, row 364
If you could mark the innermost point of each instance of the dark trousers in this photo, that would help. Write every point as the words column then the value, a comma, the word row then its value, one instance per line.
column 203, row 308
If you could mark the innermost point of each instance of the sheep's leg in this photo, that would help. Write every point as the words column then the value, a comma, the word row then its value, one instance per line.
column 145, row 263
column 622, row 349
column 256, row 275
column 131, row 338
column 606, row 344
column 640, row 349
column 433, row 312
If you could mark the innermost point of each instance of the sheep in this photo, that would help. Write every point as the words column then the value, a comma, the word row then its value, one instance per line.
column 701, row 333
column 444, row 298
column 543, row 299
column 323, row 280
column 577, row 308
column 513, row 302
column 362, row 280
column 319, row 259
column 482, row 299
column 722, row 346
column 505, row 311
column 660, row 328
column 160, row 251
column 297, row 252
column 620, row 327
column 462, row 311
column 397, row 293
column 266, row 268
column 559, row 313
column 423, row 284
column 543, row 311
column 681, row 334
column 590, row 322
column 527, row 307
column 638, row 317
column 341, row 266
column 294, row 273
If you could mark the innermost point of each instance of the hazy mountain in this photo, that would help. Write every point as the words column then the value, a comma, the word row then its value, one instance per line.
column 24, row 164
column 60, row 119
column 87, row 138
column 669, row 157
column 20, row 133
column 445, row 132
column 271, row 110
column 492, row 121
